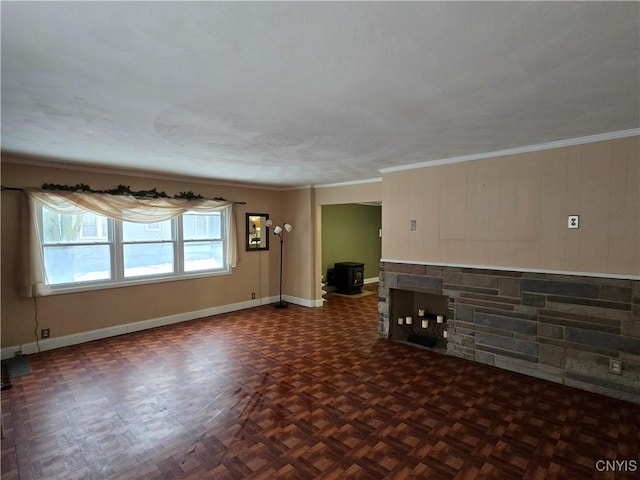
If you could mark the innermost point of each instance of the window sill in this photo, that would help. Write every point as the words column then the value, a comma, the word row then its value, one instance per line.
column 88, row 287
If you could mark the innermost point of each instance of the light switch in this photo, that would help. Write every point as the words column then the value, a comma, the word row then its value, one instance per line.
column 412, row 225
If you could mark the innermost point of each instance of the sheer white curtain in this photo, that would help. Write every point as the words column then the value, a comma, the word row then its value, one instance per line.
column 119, row 207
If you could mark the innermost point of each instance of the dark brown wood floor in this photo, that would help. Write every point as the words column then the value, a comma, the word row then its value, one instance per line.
column 298, row 393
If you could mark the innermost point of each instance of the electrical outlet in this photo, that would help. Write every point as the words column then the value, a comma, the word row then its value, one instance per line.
column 573, row 221
column 615, row 366
column 253, row 295
column 45, row 333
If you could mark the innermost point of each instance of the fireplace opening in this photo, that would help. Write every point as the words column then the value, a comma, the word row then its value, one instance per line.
column 419, row 317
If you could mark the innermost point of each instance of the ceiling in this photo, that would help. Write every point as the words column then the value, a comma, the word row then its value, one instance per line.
column 310, row 93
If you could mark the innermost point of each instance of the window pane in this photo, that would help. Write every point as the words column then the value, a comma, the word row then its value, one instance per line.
column 82, row 263
column 58, row 228
column 199, row 226
column 203, row 256
column 140, row 232
column 143, row 259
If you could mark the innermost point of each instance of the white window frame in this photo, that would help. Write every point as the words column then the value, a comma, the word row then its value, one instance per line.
column 116, row 243
column 223, row 237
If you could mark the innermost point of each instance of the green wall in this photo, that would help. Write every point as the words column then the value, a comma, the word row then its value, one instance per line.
column 350, row 233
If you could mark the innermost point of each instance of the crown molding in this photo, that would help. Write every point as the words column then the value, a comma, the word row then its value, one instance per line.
column 346, row 184
column 296, row 187
column 601, row 137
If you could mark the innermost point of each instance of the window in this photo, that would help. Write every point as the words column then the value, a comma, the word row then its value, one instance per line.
column 203, row 245
column 88, row 249
column 70, row 256
column 147, row 252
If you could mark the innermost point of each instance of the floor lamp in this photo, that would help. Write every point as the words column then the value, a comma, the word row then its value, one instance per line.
column 278, row 230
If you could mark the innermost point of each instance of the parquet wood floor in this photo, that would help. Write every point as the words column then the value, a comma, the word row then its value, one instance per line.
column 298, row 393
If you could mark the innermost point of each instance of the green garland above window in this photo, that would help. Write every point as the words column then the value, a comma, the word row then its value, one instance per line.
column 125, row 190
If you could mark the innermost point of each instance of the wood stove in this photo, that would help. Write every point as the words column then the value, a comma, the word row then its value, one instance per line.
column 349, row 277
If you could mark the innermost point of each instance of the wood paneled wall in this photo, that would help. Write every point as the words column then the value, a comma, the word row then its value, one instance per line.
column 511, row 211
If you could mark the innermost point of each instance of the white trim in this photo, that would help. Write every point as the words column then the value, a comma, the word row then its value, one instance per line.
column 295, row 187
column 513, row 151
column 620, row 276
column 304, row 302
column 367, row 281
column 346, row 184
column 88, row 336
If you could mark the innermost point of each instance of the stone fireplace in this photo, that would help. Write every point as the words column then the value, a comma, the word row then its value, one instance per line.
column 563, row 328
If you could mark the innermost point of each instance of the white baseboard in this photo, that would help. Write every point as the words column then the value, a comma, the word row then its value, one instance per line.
column 88, row 336
column 367, row 281
column 304, row 302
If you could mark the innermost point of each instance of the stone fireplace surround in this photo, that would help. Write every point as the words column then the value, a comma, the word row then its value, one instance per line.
column 562, row 328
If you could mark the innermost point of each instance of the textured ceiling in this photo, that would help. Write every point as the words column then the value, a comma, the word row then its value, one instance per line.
column 299, row 93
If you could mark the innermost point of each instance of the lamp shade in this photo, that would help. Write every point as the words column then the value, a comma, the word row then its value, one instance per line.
column 268, row 223
column 277, row 230
column 287, row 227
